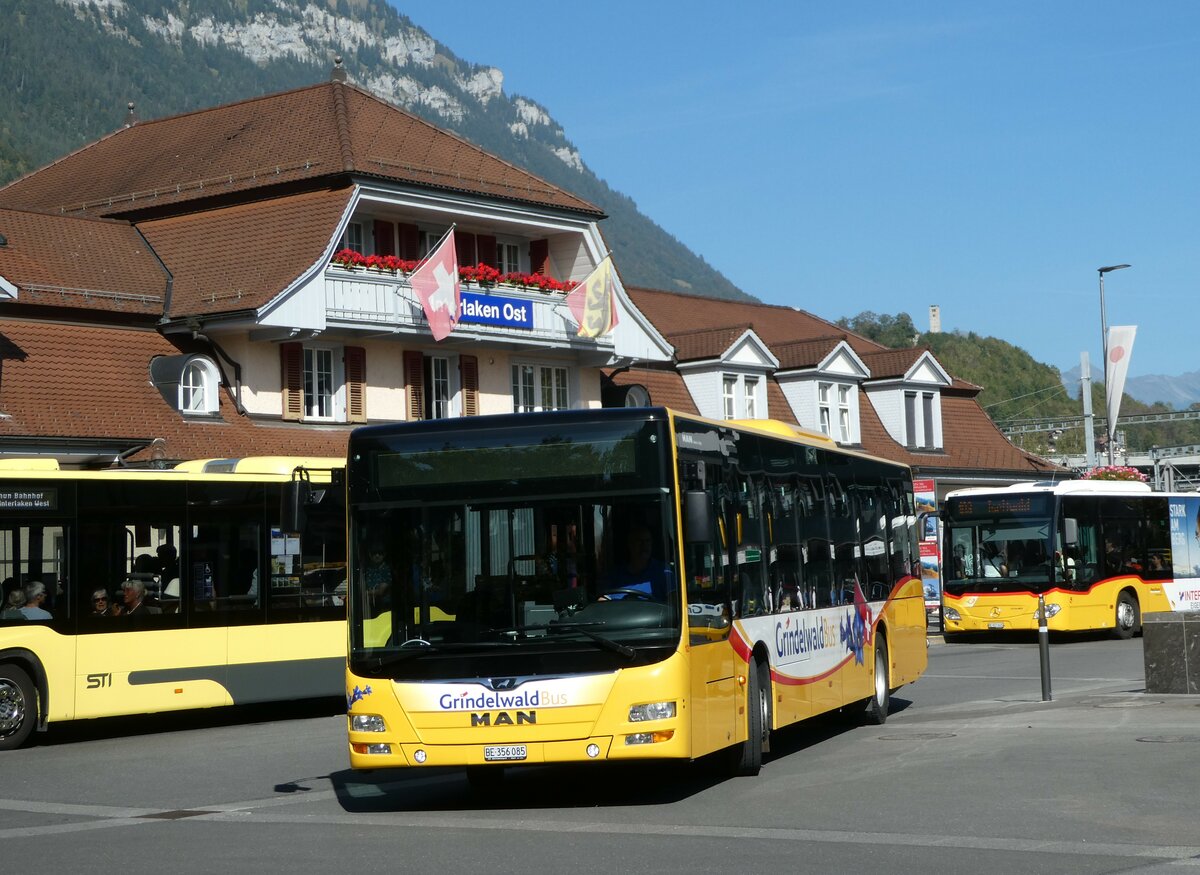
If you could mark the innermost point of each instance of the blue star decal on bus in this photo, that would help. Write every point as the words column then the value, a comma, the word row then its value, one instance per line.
column 357, row 695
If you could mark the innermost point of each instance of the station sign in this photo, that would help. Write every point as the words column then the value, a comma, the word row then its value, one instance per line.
column 497, row 310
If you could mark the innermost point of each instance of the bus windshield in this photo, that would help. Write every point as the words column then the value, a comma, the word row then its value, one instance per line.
column 999, row 543
column 541, row 553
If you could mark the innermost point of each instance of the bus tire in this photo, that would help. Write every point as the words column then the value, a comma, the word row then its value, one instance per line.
column 748, row 756
column 876, row 711
column 1128, row 620
column 18, row 707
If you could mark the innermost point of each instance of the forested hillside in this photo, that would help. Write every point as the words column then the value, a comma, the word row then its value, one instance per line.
column 1017, row 387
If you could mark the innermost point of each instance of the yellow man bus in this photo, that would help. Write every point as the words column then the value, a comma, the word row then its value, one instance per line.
column 618, row 584
column 136, row 591
column 1100, row 553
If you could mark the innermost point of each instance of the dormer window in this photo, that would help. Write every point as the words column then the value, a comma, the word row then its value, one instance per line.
column 834, row 414
column 198, row 387
column 919, row 430
column 741, row 396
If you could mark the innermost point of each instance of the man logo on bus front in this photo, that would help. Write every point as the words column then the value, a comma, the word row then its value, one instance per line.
column 497, row 684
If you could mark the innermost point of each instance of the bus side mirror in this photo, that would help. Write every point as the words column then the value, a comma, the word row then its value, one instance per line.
column 697, row 517
column 293, row 504
column 1071, row 531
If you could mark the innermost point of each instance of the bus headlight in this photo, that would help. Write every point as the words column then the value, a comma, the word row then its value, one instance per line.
column 367, row 723
column 951, row 614
column 651, row 711
column 1051, row 610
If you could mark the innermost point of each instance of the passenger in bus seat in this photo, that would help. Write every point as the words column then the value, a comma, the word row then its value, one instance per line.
column 35, row 597
column 100, row 603
column 13, row 602
column 136, row 604
column 168, row 570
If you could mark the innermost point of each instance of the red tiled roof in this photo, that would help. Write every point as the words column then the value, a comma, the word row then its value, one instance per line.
column 774, row 324
column 892, row 362
column 239, row 257
column 705, row 343
column 805, row 353
column 77, row 262
column 300, row 136
column 73, row 381
column 799, row 339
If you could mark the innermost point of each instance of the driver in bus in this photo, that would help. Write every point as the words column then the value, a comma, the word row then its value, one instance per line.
column 639, row 573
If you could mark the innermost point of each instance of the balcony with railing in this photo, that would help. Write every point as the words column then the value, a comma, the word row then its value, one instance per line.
column 381, row 298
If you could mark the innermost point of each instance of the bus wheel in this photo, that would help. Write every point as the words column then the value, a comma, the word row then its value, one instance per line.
column 18, row 707
column 1129, row 617
column 876, row 710
column 748, row 756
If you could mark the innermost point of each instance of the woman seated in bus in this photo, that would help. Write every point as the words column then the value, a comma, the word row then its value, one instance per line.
column 134, row 595
column 13, row 602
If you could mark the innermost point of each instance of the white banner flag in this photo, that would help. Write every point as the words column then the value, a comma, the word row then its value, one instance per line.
column 1120, row 346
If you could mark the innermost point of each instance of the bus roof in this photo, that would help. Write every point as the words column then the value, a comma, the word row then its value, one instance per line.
column 1060, row 487
column 270, row 467
column 261, row 464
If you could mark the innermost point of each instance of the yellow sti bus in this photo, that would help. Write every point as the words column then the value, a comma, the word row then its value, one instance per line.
column 131, row 591
column 618, row 584
column 1101, row 553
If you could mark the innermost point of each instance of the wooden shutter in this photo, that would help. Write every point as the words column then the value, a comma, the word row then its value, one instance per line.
column 468, row 369
column 291, row 360
column 385, row 238
column 414, row 383
column 410, row 242
column 539, row 256
column 464, row 246
column 486, row 244
column 355, row 360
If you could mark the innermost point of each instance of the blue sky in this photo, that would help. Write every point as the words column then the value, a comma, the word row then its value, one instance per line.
column 842, row 157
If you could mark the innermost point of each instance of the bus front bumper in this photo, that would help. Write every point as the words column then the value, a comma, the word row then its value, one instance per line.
column 377, row 754
column 978, row 614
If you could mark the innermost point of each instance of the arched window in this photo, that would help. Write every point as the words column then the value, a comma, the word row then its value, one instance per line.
column 198, row 387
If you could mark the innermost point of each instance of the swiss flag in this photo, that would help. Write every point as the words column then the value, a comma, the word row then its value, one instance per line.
column 437, row 286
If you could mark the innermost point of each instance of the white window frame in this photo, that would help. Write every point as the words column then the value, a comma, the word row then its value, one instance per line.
column 336, row 396
column 750, row 386
column 530, row 395
column 824, row 410
column 199, row 383
column 729, row 395
column 843, row 398
column 508, row 255
column 352, row 238
column 440, row 400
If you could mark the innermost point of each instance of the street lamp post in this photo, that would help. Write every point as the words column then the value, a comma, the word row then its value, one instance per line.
column 1111, row 427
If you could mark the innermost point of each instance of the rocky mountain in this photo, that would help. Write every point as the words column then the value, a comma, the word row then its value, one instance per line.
column 1177, row 393
column 71, row 67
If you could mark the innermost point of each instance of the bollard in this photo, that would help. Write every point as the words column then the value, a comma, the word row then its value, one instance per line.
column 1044, row 647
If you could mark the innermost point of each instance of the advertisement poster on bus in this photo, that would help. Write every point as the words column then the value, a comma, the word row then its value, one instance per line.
column 1184, row 592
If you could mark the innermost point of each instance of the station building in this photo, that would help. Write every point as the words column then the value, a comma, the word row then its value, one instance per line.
column 225, row 283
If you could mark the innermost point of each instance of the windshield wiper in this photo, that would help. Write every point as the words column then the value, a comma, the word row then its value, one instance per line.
column 582, row 628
